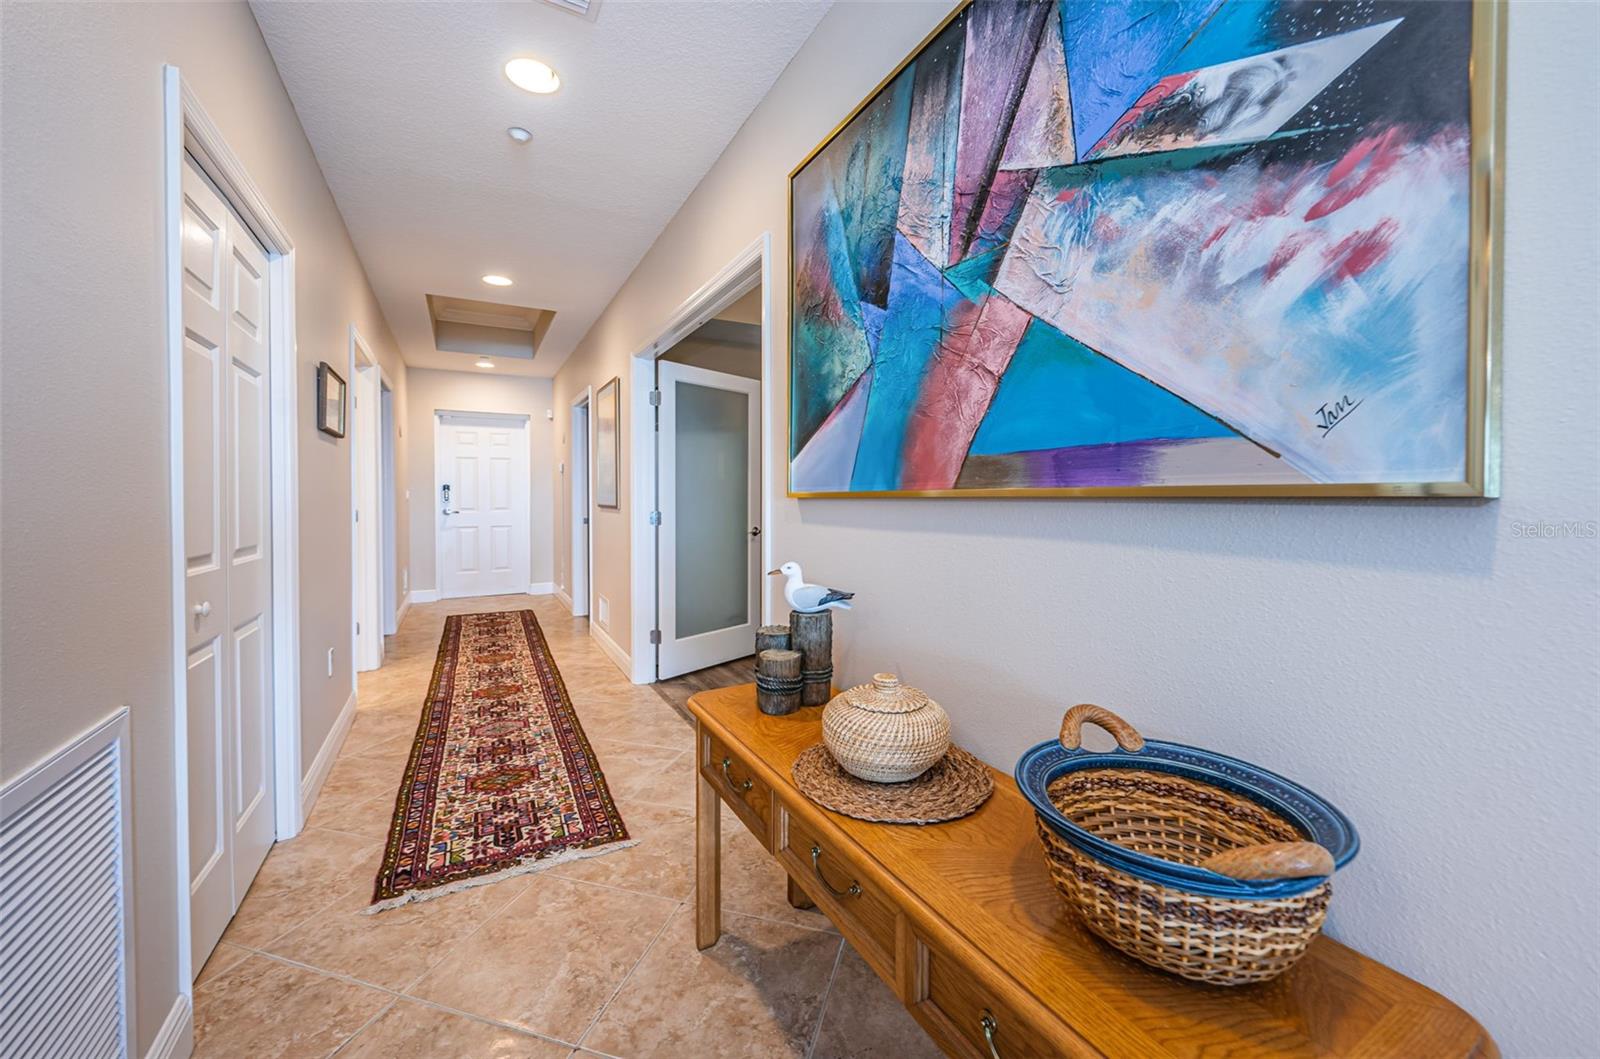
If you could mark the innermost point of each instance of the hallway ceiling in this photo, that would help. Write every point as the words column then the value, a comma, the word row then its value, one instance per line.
column 407, row 107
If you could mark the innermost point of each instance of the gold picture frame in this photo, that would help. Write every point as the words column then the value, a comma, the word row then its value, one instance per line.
column 1486, row 79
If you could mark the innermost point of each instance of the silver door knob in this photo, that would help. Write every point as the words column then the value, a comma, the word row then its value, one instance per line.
column 202, row 610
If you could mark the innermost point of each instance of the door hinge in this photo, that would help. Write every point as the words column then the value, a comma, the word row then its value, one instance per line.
column 655, row 636
column 655, row 518
column 586, row 520
column 358, row 628
column 358, row 516
column 655, row 398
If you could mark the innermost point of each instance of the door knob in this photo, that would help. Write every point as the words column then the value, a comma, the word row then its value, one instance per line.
column 202, row 610
column 755, row 531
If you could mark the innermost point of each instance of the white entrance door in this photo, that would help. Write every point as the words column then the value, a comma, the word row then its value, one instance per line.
column 709, row 493
column 482, row 495
column 228, row 570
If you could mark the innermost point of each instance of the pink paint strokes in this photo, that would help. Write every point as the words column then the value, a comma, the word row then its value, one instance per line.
column 955, row 395
column 1356, row 253
column 1362, row 168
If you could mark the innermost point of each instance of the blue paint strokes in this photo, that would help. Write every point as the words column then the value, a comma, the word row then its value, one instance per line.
column 1058, row 393
column 1239, row 29
column 831, row 337
column 872, row 322
column 867, row 162
column 1116, row 50
column 920, row 300
column 974, row 277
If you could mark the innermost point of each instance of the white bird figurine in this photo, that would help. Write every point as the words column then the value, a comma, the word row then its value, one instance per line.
column 809, row 599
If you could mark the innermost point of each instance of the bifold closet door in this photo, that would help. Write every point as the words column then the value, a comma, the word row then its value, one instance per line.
column 227, row 558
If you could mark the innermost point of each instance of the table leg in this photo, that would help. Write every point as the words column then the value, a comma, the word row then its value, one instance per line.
column 707, row 863
column 797, row 896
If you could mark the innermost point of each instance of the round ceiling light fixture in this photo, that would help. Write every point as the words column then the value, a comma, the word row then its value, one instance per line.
column 484, row 362
column 518, row 133
column 531, row 75
column 497, row 281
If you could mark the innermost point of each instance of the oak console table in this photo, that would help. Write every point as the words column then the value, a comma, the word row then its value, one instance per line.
column 962, row 922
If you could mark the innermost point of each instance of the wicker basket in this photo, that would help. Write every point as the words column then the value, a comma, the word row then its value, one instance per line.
column 1198, row 864
column 886, row 731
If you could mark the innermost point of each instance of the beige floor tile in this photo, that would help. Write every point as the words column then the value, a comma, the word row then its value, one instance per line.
column 409, row 1030
column 549, row 960
column 357, row 778
column 756, row 993
column 395, row 947
column 655, row 724
column 375, row 727
column 223, row 959
column 300, row 878
column 265, row 1009
column 661, row 864
column 865, row 1020
column 369, row 819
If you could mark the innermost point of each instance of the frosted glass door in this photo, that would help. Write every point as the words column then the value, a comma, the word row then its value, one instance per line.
column 709, row 498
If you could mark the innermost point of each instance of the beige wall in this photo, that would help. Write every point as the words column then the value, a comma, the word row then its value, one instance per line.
column 459, row 391
column 1430, row 666
column 733, row 358
column 85, row 542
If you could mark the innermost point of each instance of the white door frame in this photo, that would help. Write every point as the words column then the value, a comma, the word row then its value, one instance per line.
column 580, row 532
column 523, row 420
column 186, row 125
column 366, row 538
column 751, row 266
column 389, row 505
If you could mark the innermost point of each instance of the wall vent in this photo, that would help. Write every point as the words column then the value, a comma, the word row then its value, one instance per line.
column 582, row 8
column 65, row 991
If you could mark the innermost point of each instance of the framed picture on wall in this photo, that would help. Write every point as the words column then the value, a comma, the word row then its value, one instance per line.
column 607, row 404
column 330, row 400
column 1188, row 248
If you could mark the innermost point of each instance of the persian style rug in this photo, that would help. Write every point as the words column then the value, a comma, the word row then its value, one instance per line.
column 501, row 779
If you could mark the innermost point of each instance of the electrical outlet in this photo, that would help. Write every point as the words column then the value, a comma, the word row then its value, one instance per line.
column 330, row 661
column 603, row 612
column 405, row 580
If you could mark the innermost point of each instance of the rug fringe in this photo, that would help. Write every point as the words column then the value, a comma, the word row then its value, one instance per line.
column 525, row 867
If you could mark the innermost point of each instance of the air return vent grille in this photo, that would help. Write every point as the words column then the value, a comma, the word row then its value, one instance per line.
column 582, row 8
column 63, row 936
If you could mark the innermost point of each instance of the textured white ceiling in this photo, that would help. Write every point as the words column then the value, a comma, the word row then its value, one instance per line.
column 406, row 106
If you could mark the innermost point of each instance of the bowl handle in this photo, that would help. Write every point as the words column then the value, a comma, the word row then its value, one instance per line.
column 1127, row 737
column 1271, row 860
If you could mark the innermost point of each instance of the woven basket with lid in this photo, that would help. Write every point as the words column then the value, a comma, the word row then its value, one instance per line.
column 885, row 731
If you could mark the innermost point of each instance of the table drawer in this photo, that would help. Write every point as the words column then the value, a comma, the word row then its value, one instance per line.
column 739, row 786
column 957, row 1010
column 856, row 907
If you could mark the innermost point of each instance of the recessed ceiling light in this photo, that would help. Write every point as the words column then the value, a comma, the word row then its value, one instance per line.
column 531, row 75
column 518, row 133
column 496, row 281
column 485, row 362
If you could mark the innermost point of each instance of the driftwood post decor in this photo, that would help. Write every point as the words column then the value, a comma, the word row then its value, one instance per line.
column 812, row 636
column 771, row 638
column 778, row 680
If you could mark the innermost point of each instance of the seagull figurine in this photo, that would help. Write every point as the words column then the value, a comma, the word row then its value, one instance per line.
column 809, row 599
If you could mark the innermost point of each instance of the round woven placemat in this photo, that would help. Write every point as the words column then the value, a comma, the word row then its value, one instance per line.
column 954, row 787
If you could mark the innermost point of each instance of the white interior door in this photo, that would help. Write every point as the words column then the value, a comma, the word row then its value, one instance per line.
column 580, row 509
column 482, row 496
column 227, row 547
column 366, row 459
column 708, row 465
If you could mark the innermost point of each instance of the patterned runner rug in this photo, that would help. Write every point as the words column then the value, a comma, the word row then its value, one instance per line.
column 501, row 779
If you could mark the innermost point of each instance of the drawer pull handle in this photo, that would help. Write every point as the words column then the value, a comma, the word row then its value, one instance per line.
column 990, row 1028
column 746, row 785
column 853, row 890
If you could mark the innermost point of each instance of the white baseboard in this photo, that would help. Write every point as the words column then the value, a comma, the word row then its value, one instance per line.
column 542, row 588
column 317, row 774
column 175, row 1039
column 400, row 615
column 566, row 600
column 613, row 652
column 424, row 595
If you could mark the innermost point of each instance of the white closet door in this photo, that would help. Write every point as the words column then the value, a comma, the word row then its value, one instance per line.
column 228, row 575
column 483, row 496
column 708, row 464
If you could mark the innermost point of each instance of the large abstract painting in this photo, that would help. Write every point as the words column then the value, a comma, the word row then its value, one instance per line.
column 1102, row 247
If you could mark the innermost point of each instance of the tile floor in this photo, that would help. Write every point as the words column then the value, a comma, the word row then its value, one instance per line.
column 594, row 957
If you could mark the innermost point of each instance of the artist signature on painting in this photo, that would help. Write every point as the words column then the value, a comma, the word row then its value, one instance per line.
column 1331, row 415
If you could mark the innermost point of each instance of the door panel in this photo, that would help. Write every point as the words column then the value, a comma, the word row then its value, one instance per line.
column 483, row 529
column 227, row 535
column 708, row 464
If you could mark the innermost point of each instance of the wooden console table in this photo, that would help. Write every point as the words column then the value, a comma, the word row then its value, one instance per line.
column 962, row 922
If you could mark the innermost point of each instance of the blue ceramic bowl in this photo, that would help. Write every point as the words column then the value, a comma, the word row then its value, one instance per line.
column 1315, row 817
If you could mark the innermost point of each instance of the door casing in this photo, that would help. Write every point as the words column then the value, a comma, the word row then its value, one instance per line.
column 187, row 127
column 580, row 501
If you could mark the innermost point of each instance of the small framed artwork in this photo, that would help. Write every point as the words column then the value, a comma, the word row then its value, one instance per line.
column 330, row 400
column 605, row 444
